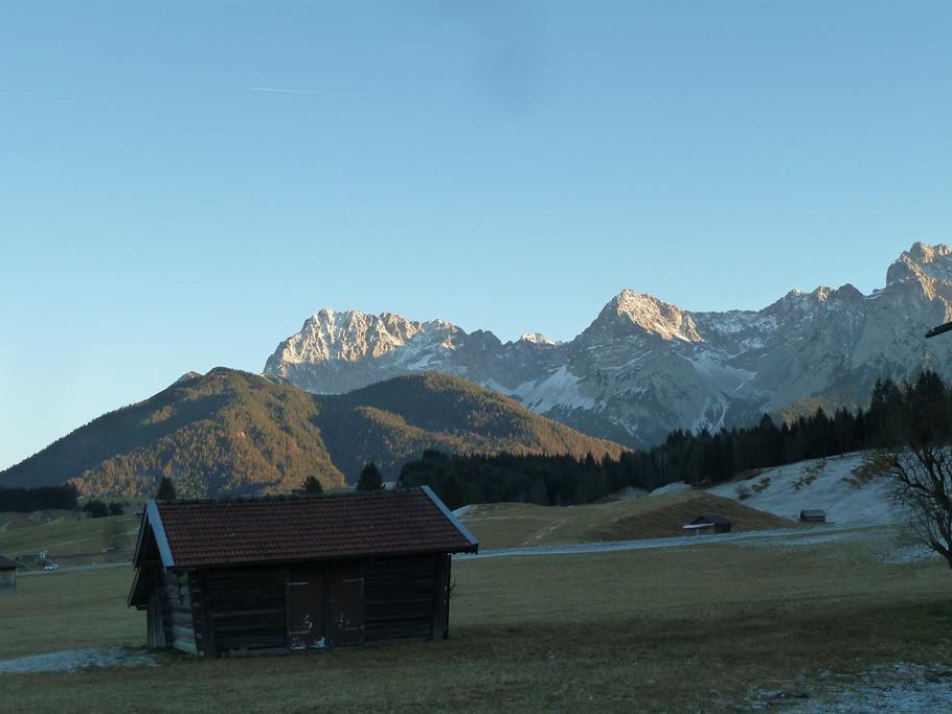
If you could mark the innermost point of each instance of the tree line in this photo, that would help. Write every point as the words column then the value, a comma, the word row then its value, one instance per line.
column 897, row 415
column 48, row 498
column 27, row 500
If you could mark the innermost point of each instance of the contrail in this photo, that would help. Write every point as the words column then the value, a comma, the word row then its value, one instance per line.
column 283, row 90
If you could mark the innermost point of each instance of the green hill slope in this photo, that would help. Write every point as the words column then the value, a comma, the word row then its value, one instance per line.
column 235, row 433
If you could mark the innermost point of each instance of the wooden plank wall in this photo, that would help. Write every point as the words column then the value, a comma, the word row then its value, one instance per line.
column 179, row 615
column 156, row 621
column 400, row 597
column 246, row 608
column 224, row 610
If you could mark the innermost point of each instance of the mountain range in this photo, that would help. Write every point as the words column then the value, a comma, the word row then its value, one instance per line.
column 232, row 433
column 644, row 367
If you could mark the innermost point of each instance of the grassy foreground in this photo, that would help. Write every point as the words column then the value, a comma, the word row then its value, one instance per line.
column 687, row 629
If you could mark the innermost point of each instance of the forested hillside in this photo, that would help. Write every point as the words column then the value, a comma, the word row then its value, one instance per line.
column 232, row 433
column 225, row 433
column 391, row 422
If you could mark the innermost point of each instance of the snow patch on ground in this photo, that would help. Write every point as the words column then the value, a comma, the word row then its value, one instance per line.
column 677, row 487
column 829, row 484
column 910, row 554
column 72, row 660
column 899, row 687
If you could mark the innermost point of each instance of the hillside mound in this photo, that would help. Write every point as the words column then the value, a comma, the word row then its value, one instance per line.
column 666, row 520
column 509, row 525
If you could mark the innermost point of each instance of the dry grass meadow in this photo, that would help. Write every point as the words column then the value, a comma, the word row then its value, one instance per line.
column 696, row 628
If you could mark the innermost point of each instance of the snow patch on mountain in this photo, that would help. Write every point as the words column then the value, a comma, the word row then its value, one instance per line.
column 655, row 317
column 720, row 375
column 560, row 389
column 536, row 338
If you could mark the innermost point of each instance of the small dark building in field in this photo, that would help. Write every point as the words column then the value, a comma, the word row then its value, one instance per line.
column 8, row 575
column 813, row 515
column 221, row 577
column 706, row 524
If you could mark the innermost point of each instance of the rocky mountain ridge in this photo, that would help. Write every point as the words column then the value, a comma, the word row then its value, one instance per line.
column 645, row 367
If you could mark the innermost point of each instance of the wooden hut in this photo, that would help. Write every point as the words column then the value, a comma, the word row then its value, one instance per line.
column 301, row 573
column 813, row 515
column 707, row 524
column 8, row 575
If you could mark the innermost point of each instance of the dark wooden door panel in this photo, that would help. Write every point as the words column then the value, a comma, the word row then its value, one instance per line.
column 306, row 609
column 346, row 601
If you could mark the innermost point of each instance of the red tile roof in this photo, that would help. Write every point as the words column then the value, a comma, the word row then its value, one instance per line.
column 212, row 533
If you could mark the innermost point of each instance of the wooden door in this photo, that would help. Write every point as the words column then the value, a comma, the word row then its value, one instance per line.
column 306, row 609
column 346, row 604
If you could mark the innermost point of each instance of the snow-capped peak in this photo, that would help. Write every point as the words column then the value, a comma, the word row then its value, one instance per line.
column 536, row 338
column 652, row 315
column 922, row 263
column 349, row 336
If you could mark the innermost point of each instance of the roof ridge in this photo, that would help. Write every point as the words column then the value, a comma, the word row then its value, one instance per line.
column 291, row 497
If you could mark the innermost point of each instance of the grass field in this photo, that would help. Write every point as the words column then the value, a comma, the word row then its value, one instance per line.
column 67, row 539
column 697, row 628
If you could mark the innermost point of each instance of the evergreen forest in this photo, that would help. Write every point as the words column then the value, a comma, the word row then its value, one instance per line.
column 27, row 500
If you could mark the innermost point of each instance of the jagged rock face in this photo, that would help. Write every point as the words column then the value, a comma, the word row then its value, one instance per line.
column 645, row 367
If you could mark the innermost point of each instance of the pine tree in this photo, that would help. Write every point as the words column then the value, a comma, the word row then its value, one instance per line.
column 166, row 490
column 312, row 487
column 370, row 478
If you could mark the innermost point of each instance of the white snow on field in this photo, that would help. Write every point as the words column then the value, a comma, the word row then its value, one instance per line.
column 677, row 487
column 829, row 484
column 71, row 660
column 900, row 687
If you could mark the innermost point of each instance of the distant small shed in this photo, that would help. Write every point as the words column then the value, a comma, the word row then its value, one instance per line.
column 706, row 524
column 813, row 515
column 8, row 575
column 229, row 577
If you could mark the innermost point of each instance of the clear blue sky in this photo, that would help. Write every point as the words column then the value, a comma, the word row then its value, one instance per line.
column 503, row 166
